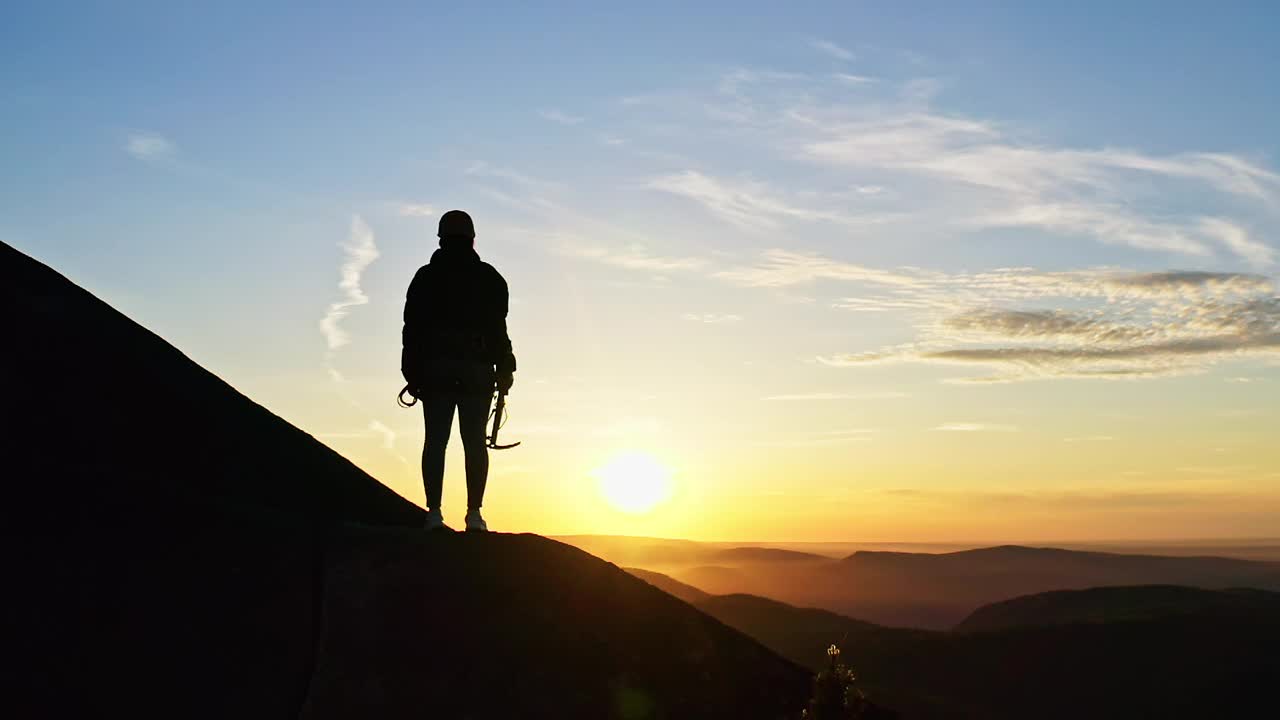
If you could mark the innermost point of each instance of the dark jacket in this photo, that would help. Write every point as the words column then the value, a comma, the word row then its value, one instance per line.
column 455, row 324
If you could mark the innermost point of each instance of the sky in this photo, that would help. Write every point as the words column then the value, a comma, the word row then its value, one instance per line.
column 807, row 271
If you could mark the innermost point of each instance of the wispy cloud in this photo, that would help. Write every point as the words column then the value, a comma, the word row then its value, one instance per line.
column 1107, row 224
column 149, row 146
column 975, row 427
column 824, row 396
column 712, row 318
column 1087, row 499
column 359, row 252
column 526, row 183
column 1237, row 240
column 572, row 232
column 375, row 429
column 783, row 268
column 633, row 258
column 973, row 174
column 381, row 430
column 979, row 153
column 832, row 49
column 854, row 79
column 825, row 438
column 558, row 116
column 752, row 205
column 1089, row 193
column 409, row 209
column 1216, row 470
column 815, row 442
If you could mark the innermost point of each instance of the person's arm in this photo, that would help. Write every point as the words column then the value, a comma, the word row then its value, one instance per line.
column 413, row 335
column 504, row 357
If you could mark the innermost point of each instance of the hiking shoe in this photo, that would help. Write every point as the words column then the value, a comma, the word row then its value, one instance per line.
column 476, row 523
column 434, row 521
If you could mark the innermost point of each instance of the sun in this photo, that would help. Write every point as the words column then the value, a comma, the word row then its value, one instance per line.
column 634, row 482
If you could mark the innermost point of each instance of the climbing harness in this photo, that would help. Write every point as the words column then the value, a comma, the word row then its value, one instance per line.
column 498, row 415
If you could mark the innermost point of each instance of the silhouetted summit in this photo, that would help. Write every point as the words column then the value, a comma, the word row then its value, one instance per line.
column 178, row 551
column 494, row 625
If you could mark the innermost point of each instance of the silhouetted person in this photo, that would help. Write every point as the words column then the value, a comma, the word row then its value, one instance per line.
column 456, row 351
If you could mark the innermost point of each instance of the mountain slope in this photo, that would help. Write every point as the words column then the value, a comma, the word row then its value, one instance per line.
column 800, row 634
column 1110, row 604
column 669, row 585
column 94, row 395
column 520, row 626
column 178, row 551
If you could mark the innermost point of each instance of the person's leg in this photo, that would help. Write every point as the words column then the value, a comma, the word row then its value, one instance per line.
column 473, row 411
column 437, row 411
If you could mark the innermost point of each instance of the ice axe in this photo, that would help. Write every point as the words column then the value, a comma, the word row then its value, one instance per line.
column 499, row 417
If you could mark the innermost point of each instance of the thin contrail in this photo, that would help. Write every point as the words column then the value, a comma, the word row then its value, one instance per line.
column 360, row 252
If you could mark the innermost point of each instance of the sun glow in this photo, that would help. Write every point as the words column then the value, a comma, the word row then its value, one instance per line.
column 634, row 482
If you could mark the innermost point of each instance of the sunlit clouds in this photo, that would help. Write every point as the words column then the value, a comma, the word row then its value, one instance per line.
column 1121, row 326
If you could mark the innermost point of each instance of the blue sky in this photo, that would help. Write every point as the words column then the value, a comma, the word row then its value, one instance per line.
column 884, row 250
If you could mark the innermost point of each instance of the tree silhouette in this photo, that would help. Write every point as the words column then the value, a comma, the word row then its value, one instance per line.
column 835, row 696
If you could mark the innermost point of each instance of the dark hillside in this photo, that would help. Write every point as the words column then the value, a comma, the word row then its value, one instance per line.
column 100, row 412
column 669, row 585
column 175, row 550
column 1110, row 604
column 522, row 626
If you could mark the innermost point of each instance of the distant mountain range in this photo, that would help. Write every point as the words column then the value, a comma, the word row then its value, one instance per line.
column 925, row 590
column 1122, row 604
column 1123, row 652
column 176, row 550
